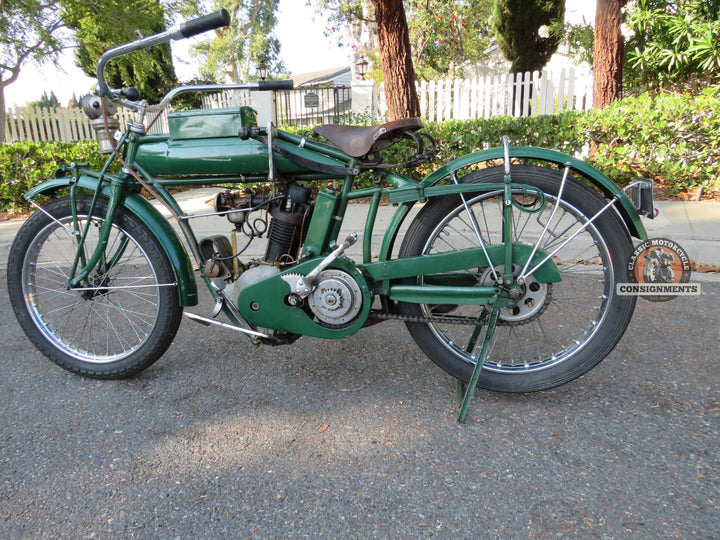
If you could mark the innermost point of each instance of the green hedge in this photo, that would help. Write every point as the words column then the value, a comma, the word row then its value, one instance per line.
column 672, row 138
column 456, row 138
column 25, row 164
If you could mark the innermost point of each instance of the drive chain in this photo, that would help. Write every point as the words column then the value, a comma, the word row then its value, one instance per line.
column 383, row 315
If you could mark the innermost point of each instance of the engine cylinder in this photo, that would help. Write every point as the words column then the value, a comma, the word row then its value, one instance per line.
column 288, row 226
column 284, row 238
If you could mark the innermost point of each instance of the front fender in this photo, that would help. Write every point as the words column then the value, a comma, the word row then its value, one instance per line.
column 153, row 220
column 626, row 209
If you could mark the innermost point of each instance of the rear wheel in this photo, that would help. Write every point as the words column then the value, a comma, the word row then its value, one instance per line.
column 120, row 319
column 555, row 332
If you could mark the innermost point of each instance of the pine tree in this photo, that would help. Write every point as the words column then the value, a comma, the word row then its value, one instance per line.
column 151, row 71
column 45, row 102
column 517, row 25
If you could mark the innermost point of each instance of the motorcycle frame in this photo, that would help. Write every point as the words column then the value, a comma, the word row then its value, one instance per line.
column 404, row 192
column 263, row 304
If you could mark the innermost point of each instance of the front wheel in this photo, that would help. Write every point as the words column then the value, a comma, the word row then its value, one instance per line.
column 120, row 319
column 555, row 332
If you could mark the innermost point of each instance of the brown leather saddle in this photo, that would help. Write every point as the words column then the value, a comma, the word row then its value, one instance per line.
column 358, row 141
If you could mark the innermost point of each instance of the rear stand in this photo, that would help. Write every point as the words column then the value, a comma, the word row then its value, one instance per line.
column 465, row 392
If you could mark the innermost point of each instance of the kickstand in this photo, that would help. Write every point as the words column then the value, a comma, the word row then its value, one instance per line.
column 465, row 392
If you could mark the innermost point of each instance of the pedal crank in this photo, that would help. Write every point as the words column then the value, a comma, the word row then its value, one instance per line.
column 305, row 284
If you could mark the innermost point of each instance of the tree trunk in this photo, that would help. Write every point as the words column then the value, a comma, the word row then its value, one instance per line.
column 3, row 113
column 607, row 53
column 395, row 56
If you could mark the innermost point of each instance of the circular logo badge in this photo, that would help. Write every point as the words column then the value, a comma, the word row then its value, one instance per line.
column 658, row 261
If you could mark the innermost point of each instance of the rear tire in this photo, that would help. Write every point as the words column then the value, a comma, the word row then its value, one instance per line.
column 557, row 332
column 126, row 316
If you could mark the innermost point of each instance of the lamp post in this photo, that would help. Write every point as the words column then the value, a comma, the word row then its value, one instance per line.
column 361, row 66
column 262, row 70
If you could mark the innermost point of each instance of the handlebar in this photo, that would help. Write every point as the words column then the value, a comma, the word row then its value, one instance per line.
column 285, row 84
column 184, row 30
column 255, row 85
column 203, row 24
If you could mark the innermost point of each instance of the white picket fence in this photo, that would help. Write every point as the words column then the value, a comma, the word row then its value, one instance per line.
column 521, row 94
column 222, row 100
column 54, row 124
column 67, row 124
column 62, row 124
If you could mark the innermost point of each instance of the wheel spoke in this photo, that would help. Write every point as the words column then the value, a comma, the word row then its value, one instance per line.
column 96, row 324
column 546, row 325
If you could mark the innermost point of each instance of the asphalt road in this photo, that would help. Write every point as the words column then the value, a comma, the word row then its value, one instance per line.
column 357, row 438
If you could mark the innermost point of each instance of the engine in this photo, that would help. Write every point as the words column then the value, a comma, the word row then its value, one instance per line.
column 289, row 215
column 288, row 225
column 330, row 296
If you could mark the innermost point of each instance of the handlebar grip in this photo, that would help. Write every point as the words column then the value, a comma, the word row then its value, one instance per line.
column 131, row 93
column 286, row 84
column 206, row 22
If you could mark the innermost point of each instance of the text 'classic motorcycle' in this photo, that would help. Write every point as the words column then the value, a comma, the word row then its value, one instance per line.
column 505, row 277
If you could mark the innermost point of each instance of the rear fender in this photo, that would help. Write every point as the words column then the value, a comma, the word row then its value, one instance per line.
column 625, row 207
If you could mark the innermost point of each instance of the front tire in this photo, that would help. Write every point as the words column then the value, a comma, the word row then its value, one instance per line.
column 120, row 319
column 557, row 331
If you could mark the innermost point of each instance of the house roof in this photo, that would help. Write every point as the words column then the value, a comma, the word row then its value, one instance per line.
column 316, row 78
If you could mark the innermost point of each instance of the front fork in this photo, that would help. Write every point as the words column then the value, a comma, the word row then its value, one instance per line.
column 82, row 266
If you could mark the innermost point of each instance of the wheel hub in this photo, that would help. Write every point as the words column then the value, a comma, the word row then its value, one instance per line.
column 531, row 297
column 97, row 283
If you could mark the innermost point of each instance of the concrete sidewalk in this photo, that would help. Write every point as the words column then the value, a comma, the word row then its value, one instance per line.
column 693, row 225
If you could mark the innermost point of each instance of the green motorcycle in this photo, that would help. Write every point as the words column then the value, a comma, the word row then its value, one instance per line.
column 505, row 277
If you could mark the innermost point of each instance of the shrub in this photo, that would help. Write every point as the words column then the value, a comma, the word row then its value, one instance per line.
column 456, row 138
column 672, row 138
column 26, row 164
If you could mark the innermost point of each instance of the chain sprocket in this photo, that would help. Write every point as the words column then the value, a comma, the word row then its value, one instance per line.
column 533, row 300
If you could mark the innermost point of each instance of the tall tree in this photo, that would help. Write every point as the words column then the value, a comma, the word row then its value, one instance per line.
column 396, row 58
column 353, row 20
column 236, row 49
column 151, row 71
column 607, row 53
column 46, row 102
column 29, row 30
column 443, row 35
column 517, row 25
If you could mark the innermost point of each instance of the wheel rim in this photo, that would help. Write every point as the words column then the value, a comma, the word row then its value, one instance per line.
column 534, row 337
column 117, row 310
